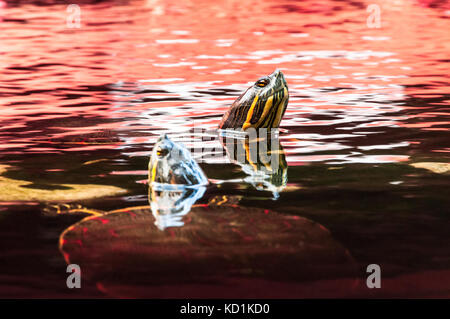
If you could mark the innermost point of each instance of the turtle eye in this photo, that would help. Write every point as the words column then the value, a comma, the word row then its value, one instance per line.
column 161, row 152
column 262, row 82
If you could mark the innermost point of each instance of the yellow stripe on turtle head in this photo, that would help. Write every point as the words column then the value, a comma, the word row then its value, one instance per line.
column 154, row 171
column 281, row 109
column 247, row 123
column 267, row 108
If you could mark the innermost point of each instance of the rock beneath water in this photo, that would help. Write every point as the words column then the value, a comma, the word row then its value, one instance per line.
column 18, row 190
column 224, row 251
column 435, row 167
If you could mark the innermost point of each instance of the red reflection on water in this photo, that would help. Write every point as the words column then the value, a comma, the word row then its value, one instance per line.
column 148, row 66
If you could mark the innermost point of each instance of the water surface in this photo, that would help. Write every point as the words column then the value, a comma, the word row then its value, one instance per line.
column 85, row 106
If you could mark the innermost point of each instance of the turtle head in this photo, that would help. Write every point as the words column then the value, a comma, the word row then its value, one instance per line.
column 171, row 163
column 163, row 147
column 261, row 106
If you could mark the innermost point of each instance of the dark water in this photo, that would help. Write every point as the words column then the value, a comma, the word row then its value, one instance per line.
column 84, row 106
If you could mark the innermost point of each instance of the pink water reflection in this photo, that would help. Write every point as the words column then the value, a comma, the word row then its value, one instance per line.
column 150, row 66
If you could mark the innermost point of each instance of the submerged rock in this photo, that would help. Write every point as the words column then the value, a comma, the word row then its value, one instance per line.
column 19, row 190
column 124, row 250
column 435, row 167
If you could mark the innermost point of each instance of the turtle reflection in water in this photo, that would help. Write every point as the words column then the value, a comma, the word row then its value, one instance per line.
column 261, row 157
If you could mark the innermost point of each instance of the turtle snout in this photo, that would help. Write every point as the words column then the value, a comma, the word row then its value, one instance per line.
column 161, row 152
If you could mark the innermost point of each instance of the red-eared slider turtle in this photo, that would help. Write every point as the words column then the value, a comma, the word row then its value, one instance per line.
column 261, row 106
column 258, row 112
column 171, row 164
column 176, row 182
